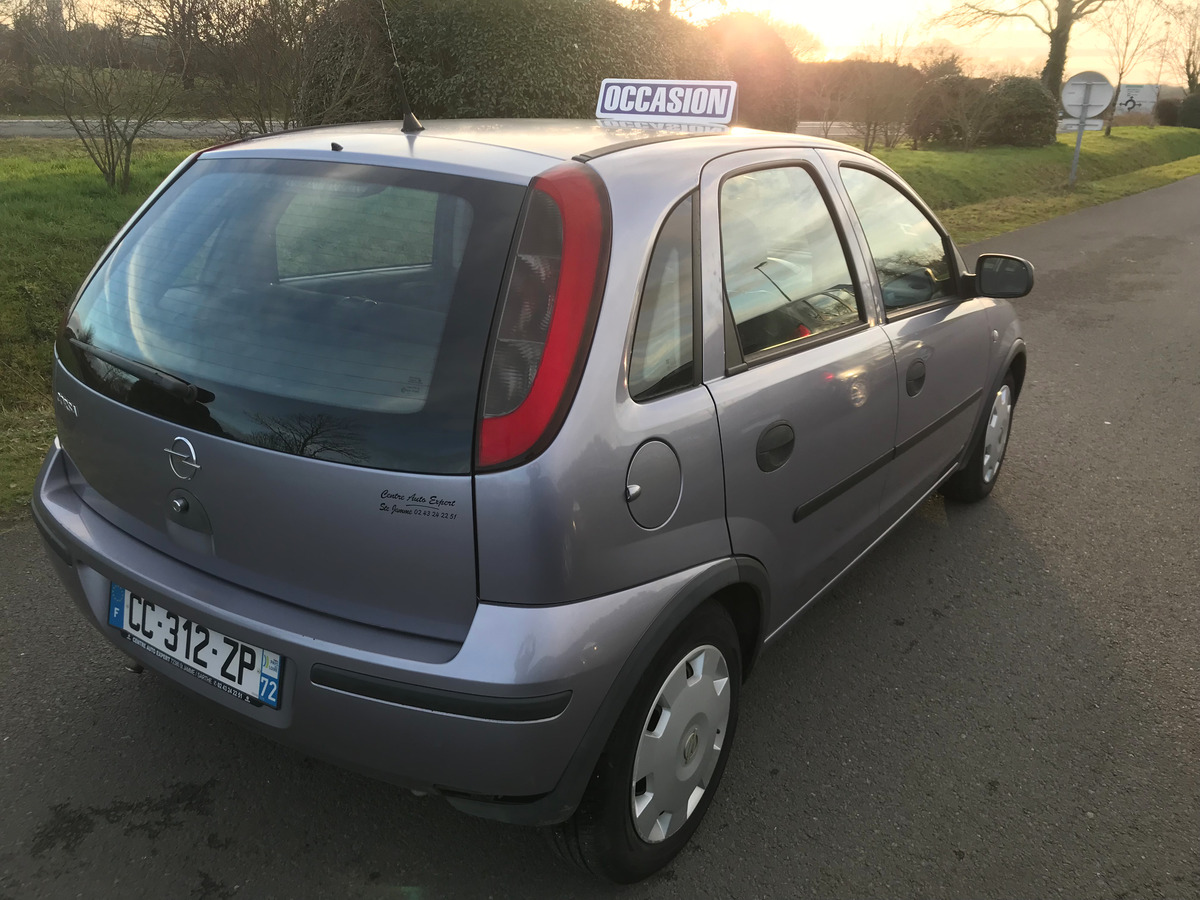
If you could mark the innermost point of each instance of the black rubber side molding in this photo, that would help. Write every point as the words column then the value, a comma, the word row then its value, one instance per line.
column 476, row 706
column 871, row 468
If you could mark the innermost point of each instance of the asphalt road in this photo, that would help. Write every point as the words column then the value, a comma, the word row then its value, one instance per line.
column 60, row 128
column 1002, row 701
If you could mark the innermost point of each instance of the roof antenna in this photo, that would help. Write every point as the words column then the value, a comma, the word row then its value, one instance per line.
column 412, row 125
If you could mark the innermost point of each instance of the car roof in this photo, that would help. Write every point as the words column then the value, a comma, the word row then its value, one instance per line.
column 517, row 148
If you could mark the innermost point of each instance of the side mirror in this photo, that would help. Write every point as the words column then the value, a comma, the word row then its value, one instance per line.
column 1002, row 276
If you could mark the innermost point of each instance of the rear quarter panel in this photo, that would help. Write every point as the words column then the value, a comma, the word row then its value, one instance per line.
column 558, row 529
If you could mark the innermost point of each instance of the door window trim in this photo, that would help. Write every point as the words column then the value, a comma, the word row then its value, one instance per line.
column 697, row 298
column 735, row 359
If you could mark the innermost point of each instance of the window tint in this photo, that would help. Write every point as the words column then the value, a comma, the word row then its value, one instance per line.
column 661, row 359
column 909, row 254
column 786, row 274
column 332, row 310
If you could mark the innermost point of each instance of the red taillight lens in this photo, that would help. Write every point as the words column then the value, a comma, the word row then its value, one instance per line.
column 548, row 312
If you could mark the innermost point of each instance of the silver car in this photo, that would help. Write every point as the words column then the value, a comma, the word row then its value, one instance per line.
column 485, row 460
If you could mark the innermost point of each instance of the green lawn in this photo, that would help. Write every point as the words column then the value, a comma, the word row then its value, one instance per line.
column 977, row 221
column 58, row 215
column 948, row 179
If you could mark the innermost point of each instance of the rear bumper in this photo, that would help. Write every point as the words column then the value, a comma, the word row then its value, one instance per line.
column 505, row 724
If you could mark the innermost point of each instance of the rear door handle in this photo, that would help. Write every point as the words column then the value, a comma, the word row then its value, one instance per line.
column 915, row 379
column 775, row 446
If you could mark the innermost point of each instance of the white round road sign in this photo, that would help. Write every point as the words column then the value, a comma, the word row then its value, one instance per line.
column 1086, row 94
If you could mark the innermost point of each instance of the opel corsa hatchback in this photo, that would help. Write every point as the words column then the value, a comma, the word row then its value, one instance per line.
column 485, row 460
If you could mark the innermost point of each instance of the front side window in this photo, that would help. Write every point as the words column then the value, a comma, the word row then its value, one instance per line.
column 786, row 273
column 909, row 254
column 661, row 360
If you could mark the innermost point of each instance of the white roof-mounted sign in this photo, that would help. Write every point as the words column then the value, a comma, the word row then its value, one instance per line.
column 649, row 100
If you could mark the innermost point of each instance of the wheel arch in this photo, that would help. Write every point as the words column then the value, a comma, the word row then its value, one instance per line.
column 739, row 585
column 1016, row 365
column 746, row 602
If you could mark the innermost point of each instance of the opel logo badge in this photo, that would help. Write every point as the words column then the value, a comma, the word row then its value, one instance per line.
column 183, row 458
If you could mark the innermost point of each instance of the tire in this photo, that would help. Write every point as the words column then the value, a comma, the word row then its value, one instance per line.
column 698, row 672
column 975, row 480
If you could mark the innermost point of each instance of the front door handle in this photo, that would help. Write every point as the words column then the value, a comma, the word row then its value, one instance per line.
column 775, row 446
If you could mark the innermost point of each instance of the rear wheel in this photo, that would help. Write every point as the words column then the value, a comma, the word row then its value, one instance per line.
column 976, row 480
column 665, row 757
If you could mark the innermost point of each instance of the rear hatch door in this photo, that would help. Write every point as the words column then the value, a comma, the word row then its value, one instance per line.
column 274, row 377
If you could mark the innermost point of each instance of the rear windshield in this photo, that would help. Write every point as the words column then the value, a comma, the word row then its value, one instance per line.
column 328, row 310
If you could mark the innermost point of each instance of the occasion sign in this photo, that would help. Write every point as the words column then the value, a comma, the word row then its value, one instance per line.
column 648, row 100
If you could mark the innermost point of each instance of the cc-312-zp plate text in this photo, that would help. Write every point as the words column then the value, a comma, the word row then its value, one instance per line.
column 243, row 670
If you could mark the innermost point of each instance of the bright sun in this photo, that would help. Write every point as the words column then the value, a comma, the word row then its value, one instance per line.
column 840, row 26
column 846, row 25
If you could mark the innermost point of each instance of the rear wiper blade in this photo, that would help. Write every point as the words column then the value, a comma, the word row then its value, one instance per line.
column 172, row 384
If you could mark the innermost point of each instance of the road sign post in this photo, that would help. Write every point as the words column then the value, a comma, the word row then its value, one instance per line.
column 1085, row 95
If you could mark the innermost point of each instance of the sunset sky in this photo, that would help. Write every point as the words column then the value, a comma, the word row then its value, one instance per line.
column 846, row 24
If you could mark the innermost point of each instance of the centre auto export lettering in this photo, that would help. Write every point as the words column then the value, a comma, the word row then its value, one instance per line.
column 669, row 101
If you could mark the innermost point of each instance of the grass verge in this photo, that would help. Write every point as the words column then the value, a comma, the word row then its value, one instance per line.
column 978, row 221
column 948, row 179
column 58, row 215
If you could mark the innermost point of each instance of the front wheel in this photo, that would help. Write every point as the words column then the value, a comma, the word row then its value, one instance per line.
column 977, row 478
column 665, row 757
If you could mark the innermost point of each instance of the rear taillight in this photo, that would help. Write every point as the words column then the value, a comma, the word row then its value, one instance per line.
column 547, row 315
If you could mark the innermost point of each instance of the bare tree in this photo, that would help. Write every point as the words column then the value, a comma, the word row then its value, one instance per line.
column 938, row 59
column 106, row 78
column 1190, row 42
column 283, row 63
column 182, row 24
column 1053, row 18
column 1132, row 30
column 879, row 91
column 1183, row 39
column 824, row 94
column 877, row 100
column 315, row 435
column 801, row 43
column 970, row 108
column 889, row 48
column 673, row 7
column 19, row 22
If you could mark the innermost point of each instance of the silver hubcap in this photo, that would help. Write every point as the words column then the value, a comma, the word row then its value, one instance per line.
column 680, row 744
column 995, row 439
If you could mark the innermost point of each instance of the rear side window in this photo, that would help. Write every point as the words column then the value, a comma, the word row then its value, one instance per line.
column 909, row 253
column 786, row 273
column 331, row 310
column 661, row 360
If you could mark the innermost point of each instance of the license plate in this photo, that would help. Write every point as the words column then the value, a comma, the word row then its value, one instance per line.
column 247, row 672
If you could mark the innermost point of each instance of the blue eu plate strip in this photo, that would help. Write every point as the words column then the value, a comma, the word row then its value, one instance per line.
column 268, row 679
column 116, row 606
